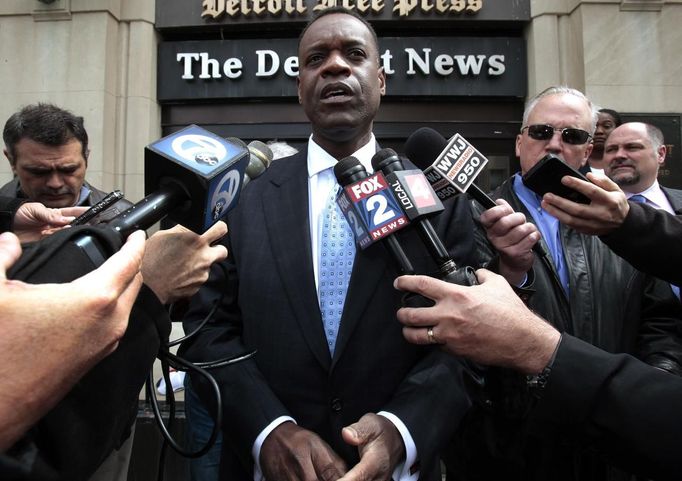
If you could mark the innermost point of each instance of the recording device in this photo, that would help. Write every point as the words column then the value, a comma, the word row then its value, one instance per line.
column 370, row 209
column 419, row 198
column 192, row 176
column 95, row 210
column 546, row 175
column 260, row 158
column 456, row 159
column 450, row 166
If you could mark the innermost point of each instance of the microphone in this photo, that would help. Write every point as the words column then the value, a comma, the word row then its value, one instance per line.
column 416, row 194
column 457, row 163
column 260, row 157
column 371, row 210
column 192, row 176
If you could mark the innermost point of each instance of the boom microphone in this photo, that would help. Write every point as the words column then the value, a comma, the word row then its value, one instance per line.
column 417, row 196
column 371, row 210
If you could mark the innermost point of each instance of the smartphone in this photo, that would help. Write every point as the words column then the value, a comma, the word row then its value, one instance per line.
column 545, row 176
column 105, row 203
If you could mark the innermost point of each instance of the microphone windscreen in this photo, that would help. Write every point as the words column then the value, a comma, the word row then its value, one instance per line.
column 424, row 146
column 260, row 157
column 262, row 151
column 347, row 169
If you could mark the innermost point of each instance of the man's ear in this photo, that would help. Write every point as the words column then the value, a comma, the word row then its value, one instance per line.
column 661, row 153
column 588, row 151
column 9, row 158
column 382, row 80
column 298, row 88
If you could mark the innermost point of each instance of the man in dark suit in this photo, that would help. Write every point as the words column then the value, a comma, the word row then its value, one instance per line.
column 316, row 402
column 633, row 157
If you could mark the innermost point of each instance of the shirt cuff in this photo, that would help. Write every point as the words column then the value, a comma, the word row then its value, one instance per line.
column 407, row 470
column 258, row 444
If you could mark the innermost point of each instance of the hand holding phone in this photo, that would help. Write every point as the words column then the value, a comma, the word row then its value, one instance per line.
column 546, row 175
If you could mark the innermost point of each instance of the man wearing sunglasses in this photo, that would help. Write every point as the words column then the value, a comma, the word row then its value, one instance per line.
column 581, row 287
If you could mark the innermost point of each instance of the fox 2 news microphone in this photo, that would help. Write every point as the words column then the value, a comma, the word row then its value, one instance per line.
column 419, row 201
column 371, row 210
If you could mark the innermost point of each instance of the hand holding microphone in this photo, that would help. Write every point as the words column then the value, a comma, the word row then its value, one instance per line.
column 451, row 167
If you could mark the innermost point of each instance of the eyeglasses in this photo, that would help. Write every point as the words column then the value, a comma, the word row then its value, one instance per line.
column 568, row 135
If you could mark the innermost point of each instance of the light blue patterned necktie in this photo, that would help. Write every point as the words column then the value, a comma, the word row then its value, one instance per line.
column 337, row 252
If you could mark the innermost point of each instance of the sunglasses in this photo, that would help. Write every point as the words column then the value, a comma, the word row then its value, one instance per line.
column 568, row 135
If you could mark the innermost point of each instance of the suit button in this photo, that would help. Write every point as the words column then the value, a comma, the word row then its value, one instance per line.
column 336, row 405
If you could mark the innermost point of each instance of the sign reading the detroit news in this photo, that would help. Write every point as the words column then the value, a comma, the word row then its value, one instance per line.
column 414, row 66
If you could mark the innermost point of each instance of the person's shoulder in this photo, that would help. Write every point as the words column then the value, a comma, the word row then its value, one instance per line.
column 10, row 189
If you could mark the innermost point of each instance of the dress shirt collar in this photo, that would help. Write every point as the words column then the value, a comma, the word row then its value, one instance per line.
column 319, row 160
column 654, row 196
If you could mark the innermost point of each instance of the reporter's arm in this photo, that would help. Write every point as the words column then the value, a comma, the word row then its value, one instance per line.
column 647, row 238
column 54, row 333
column 622, row 407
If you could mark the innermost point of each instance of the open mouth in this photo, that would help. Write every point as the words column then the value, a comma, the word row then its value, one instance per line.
column 336, row 91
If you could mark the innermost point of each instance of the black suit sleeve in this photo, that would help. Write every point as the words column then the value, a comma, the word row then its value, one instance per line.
column 623, row 408
column 650, row 240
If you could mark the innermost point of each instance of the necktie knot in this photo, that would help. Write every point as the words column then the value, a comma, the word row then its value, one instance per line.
column 638, row 198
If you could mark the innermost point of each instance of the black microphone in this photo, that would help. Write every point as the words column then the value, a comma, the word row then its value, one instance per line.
column 371, row 210
column 419, row 197
column 192, row 176
column 451, row 167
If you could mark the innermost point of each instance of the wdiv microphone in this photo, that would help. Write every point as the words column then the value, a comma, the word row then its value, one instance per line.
column 419, row 201
column 371, row 210
column 451, row 167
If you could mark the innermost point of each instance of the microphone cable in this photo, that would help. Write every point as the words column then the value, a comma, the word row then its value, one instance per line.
column 168, row 360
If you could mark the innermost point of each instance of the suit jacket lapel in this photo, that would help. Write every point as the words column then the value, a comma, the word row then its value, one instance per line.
column 674, row 197
column 285, row 205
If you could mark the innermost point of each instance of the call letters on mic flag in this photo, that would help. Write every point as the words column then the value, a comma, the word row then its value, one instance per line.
column 459, row 164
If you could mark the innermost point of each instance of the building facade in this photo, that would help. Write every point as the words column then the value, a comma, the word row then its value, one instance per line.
column 140, row 69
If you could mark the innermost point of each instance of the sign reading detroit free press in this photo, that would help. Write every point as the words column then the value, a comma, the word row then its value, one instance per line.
column 414, row 66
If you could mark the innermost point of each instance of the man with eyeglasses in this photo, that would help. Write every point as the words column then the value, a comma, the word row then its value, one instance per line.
column 581, row 287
